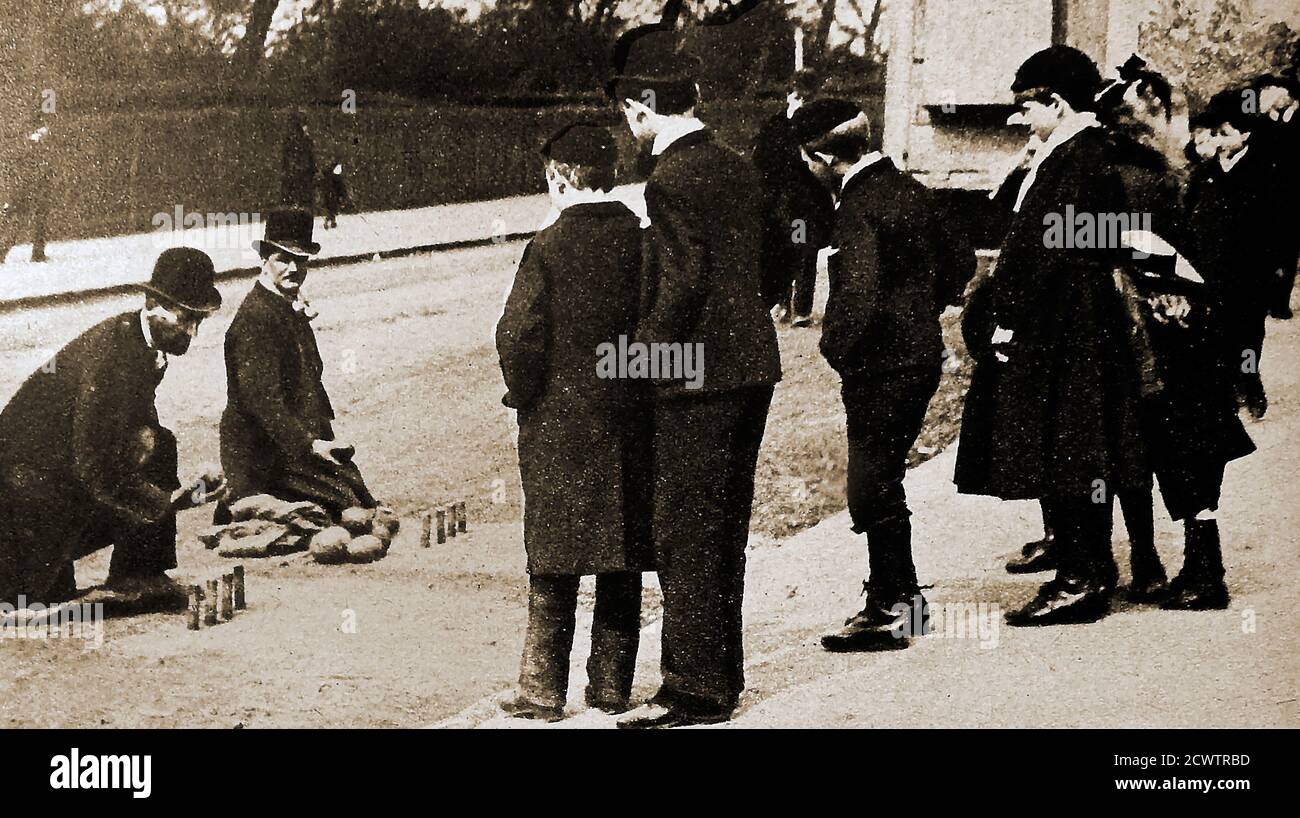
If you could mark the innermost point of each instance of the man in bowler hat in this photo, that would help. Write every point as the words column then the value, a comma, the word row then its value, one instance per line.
column 701, row 285
column 84, row 461
column 277, row 434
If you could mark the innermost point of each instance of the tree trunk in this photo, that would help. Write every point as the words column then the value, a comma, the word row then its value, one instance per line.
column 251, row 47
column 823, row 36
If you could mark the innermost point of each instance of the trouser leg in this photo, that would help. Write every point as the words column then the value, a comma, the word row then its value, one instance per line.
column 544, row 668
column 1083, row 531
column 1138, row 509
column 149, row 550
column 805, row 280
column 705, row 455
column 885, row 416
column 615, row 633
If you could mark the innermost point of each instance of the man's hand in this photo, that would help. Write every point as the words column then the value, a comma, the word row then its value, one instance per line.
column 1166, row 307
column 208, row 487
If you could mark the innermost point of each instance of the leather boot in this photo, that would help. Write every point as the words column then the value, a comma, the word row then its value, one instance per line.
column 1199, row 585
column 895, row 608
column 1149, row 579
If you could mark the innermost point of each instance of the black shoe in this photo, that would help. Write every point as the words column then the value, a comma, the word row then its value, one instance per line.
column 1062, row 602
column 610, row 705
column 881, row 624
column 1282, row 313
column 1199, row 585
column 524, row 708
column 1147, row 591
column 1257, row 405
column 801, row 321
column 1035, row 557
column 659, row 717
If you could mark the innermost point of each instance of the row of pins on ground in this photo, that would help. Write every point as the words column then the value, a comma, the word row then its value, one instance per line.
column 449, row 521
column 230, row 597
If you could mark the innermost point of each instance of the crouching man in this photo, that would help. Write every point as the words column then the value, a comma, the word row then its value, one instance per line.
column 277, row 434
column 84, row 461
column 584, row 441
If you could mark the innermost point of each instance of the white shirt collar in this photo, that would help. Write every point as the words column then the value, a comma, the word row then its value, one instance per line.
column 160, row 357
column 1069, row 128
column 1229, row 164
column 859, row 166
column 679, row 127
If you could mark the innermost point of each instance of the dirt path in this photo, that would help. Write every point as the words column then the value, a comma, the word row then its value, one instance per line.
column 410, row 365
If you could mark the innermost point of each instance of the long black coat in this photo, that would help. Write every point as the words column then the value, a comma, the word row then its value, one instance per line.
column 584, row 440
column 72, row 444
column 1064, row 410
column 1190, row 413
column 896, row 270
column 702, row 281
column 276, row 405
column 298, row 170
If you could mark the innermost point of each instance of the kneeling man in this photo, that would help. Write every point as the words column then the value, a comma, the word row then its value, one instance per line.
column 277, row 434
column 84, row 461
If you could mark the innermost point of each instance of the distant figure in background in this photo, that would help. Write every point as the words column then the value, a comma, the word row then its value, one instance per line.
column 27, row 201
column 298, row 166
column 1278, row 136
column 1233, row 238
column 584, row 448
column 797, row 207
column 334, row 193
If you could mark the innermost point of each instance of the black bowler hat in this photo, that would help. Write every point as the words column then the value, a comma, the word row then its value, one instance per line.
column 585, row 144
column 290, row 231
column 1061, row 70
column 1225, row 106
column 183, row 276
column 651, row 57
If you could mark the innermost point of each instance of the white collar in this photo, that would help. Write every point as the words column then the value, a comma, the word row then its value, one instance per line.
column 577, row 196
column 859, row 166
column 675, row 130
column 1069, row 128
column 144, row 328
column 1229, row 164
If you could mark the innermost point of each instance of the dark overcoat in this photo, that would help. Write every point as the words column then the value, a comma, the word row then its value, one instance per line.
column 276, row 405
column 584, row 440
column 1063, row 412
column 298, row 170
column 73, row 442
column 702, row 282
column 897, row 268
column 1190, row 414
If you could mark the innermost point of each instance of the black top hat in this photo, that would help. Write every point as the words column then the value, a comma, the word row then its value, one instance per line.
column 184, row 276
column 290, row 231
column 1061, row 70
column 587, row 144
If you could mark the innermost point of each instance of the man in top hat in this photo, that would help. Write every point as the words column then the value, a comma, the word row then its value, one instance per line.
column 797, row 206
column 896, row 266
column 1053, row 408
column 701, row 285
column 84, row 461
column 277, row 434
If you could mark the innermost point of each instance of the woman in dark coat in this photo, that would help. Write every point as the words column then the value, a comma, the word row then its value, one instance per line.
column 584, row 438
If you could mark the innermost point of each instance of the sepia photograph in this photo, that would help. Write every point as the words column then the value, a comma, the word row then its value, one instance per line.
column 499, row 365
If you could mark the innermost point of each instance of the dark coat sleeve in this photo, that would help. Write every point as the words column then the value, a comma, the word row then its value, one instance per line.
column 854, row 295
column 680, row 254
column 954, row 258
column 256, row 359
column 98, row 423
column 523, row 334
